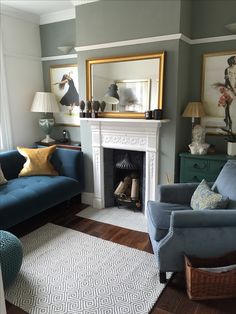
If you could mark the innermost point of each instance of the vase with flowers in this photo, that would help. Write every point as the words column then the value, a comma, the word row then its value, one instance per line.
column 231, row 142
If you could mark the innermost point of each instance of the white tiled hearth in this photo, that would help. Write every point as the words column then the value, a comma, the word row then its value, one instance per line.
column 125, row 134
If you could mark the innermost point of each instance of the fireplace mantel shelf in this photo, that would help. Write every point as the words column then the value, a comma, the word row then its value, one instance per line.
column 125, row 120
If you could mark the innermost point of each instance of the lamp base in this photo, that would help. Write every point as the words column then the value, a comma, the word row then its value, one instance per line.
column 46, row 124
column 48, row 139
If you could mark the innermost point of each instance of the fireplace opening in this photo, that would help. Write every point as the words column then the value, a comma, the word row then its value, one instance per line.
column 124, row 178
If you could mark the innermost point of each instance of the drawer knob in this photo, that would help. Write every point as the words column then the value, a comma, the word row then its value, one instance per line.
column 195, row 179
column 196, row 166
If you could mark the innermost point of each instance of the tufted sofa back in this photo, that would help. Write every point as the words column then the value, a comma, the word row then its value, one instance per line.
column 67, row 162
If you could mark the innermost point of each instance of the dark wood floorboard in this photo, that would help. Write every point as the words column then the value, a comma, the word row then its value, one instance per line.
column 173, row 299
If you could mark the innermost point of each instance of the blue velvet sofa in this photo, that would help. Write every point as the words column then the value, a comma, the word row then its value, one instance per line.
column 24, row 197
column 176, row 230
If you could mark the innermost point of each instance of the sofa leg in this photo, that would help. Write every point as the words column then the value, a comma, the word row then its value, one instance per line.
column 162, row 277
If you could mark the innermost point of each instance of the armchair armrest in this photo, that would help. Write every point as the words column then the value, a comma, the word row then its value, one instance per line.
column 203, row 218
column 179, row 193
column 205, row 233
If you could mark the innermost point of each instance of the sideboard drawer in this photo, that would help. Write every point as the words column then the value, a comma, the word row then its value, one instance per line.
column 196, row 165
column 198, row 177
column 194, row 168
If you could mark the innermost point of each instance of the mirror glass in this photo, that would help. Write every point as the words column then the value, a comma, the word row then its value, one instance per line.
column 138, row 80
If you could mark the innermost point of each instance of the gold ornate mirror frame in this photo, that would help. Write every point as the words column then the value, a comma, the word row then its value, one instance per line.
column 160, row 76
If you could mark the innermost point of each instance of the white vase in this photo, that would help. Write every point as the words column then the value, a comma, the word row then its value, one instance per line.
column 231, row 148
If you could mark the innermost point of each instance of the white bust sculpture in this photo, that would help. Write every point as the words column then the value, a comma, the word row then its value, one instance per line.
column 198, row 145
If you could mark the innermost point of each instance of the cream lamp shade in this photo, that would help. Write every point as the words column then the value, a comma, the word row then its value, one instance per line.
column 194, row 110
column 45, row 103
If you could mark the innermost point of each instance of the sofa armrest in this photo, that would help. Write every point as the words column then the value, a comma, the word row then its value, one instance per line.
column 69, row 163
column 203, row 218
column 179, row 193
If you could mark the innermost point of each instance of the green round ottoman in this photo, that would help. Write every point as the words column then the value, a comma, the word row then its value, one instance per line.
column 11, row 254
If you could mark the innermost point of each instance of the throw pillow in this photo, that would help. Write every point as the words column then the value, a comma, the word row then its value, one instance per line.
column 3, row 180
column 204, row 198
column 37, row 161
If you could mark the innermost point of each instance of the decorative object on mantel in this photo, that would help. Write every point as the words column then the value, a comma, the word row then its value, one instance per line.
column 198, row 145
column 148, row 115
column 82, row 107
column 47, row 104
column 88, row 113
column 157, row 114
column 95, row 108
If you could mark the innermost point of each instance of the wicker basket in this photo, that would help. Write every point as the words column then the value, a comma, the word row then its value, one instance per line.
column 203, row 285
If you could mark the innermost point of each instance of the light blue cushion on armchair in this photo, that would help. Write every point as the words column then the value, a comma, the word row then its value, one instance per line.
column 205, row 198
column 225, row 183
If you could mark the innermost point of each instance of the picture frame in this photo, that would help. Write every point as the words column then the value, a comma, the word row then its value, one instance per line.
column 218, row 93
column 65, row 86
column 134, row 95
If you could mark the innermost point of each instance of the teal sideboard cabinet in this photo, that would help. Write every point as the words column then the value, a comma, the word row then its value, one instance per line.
column 194, row 168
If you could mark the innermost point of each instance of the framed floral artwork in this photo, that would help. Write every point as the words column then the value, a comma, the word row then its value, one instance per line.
column 65, row 86
column 219, row 92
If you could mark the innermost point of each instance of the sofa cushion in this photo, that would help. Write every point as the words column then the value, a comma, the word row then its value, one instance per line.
column 37, row 161
column 225, row 183
column 2, row 178
column 24, row 197
column 159, row 216
column 204, row 198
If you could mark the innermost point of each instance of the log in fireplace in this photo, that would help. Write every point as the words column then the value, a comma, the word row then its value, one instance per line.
column 124, row 178
column 127, row 193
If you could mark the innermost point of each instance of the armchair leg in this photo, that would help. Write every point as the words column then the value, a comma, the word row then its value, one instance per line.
column 162, row 277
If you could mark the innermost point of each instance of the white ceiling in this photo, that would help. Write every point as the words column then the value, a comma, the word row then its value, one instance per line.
column 44, row 6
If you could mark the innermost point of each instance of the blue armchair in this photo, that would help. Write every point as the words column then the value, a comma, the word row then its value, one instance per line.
column 176, row 230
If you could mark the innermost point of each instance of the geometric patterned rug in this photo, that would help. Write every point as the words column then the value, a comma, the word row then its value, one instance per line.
column 67, row 271
column 122, row 217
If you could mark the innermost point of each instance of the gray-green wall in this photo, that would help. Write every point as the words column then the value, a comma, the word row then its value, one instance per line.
column 52, row 36
column 110, row 21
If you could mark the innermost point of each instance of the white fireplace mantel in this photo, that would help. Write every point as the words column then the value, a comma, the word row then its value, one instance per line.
column 126, row 134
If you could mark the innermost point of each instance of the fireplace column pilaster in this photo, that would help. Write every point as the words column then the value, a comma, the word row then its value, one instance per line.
column 98, row 166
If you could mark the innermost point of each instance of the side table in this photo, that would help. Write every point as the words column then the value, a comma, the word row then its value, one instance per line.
column 68, row 145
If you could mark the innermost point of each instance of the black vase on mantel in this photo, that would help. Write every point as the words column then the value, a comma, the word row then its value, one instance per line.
column 88, row 113
column 82, row 107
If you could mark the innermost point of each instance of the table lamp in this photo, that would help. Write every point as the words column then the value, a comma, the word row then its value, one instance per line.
column 194, row 110
column 46, row 103
column 112, row 97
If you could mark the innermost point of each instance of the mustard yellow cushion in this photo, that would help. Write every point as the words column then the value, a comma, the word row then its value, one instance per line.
column 37, row 161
